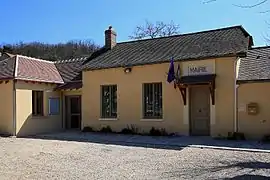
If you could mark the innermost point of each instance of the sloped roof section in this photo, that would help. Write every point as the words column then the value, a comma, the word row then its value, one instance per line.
column 6, row 55
column 206, row 44
column 70, row 85
column 33, row 69
column 70, row 69
column 71, row 72
column 256, row 66
column 7, row 68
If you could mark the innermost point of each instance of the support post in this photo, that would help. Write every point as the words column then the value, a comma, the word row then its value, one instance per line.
column 212, row 91
column 183, row 91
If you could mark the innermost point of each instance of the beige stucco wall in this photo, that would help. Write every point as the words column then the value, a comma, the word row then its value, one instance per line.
column 254, row 126
column 26, row 124
column 6, row 108
column 175, row 114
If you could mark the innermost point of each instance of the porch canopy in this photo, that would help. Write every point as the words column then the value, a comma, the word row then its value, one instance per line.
column 183, row 82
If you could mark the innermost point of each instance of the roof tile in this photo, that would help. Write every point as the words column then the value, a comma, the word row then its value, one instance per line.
column 37, row 70
column 71, row 69
column 7, row 68
column 214, row 43
column 256, row 66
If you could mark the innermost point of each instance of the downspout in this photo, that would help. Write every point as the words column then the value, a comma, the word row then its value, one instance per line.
column 14, row 98
column 14, row 109
column 236, row 95
column 62, row 108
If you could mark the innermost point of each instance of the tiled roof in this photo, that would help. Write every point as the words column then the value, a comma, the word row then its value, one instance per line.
column 214, row 43
column 70, row 85
column 37, row 70
column 5, row 55
column 29, row 69
column 71, row 72
column 70, row 69
column 256, row 66
column 68, row 73
column 7, row 68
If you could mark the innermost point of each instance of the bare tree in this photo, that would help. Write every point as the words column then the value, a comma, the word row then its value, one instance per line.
column 256, row 3
column 157, row 29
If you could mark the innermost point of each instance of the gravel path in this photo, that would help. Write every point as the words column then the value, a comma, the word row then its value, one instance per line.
column 51, row 159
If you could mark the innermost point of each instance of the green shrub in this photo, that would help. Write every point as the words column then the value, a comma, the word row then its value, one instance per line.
column 88, row 129
column 156, row 132
column 126, row 131
column 106, row 129
column 236, row 136
column 266, row 138
column 163, row 132
column 132, row 129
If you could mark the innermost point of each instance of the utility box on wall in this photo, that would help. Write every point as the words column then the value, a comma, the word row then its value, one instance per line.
column 252, row 108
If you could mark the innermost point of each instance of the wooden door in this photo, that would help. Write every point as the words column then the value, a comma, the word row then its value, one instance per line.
column 73, row 112
column 199, row 110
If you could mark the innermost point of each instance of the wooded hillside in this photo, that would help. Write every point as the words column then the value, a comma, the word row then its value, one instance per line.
column 61, row 51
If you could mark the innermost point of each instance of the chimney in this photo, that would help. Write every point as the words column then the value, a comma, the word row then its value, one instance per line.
column 110, row 38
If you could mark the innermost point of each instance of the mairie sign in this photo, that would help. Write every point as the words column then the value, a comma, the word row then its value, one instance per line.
column 198, row 69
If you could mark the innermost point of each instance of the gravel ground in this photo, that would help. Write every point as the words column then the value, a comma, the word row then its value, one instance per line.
column 52, row 159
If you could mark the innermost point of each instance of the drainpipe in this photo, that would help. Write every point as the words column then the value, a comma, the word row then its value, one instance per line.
column 236, row 95
column 62, row 108
column 14, row 98
column 14, row 108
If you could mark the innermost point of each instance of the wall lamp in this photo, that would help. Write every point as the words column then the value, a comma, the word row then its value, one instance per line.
column 128, row 70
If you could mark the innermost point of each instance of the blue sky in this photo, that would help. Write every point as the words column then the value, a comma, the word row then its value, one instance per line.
column 54, row 21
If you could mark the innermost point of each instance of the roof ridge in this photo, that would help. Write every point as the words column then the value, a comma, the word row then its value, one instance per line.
column 260, row 47
column 186, row 34
column 32, row 58
column 7, row 59
column 71, row 60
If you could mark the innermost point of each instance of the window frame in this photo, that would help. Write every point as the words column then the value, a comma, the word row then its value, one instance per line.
column 158, row 98
column 58, row 107
column 35, row 104
column 112, row 96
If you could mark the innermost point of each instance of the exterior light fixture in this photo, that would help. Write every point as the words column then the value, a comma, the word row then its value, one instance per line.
column 127, row 70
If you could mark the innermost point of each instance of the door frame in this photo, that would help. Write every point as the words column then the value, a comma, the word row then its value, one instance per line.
column 191, row 133
column 68, row 113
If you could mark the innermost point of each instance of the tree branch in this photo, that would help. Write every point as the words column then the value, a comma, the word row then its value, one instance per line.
column 159, row 29
column 208, row 1
column 251, row 6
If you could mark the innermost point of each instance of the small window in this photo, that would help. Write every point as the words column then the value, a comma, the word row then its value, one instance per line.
column 152, row 101
column 109, row 101
column 54, row 106
column 37, row 103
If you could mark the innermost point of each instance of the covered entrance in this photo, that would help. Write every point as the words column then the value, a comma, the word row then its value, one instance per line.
column 73, row 112
column 201, row 96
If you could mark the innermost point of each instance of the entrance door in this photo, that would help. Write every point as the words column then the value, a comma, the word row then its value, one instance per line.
column 199, row 110
column 73, row 112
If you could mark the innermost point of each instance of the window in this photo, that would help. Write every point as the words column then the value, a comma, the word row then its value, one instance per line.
column 54, row 106
column 152, row 101
column 37, row 103
column 109, row 101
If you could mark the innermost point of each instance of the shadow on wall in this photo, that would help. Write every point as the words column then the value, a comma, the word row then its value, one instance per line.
column 39, row 125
